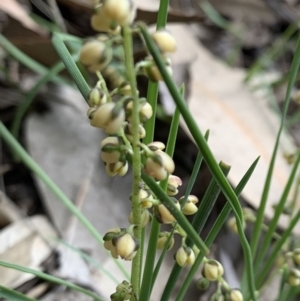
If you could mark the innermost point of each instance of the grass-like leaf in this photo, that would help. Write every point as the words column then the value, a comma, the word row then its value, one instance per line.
column 12, row 295
column 215, row 230
column 50, row 278
column 207, row 154
column 71, row 66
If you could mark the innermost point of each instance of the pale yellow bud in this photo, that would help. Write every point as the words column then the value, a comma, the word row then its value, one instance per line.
column 163, row 239
column 92, row 52
column 294, row 277
column 296, row 256
column 118, row 168
column 156, row 145
column 189, row 208
column 212, row 270
column 110, row 156
column 102, row 23
column 173, row 183
column 164, row 40
column 121, row 11
column 185, row 256
column 154, row 74
column 236, row 295
column 105, row 118
column 164, row 215
column 126, row 246
column 128, row 132
column 159, row 170
column 145, row 218
column 97, row 97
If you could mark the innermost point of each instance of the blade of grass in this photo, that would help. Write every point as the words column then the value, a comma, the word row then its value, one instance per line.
column 70, row 65
column 278, row 212
column 261, row 210
column 12, row 295
column 35, row 168
column 50, row 278
column 215, row 230
column 207, row 154
column 26, row 60
column 198, row 223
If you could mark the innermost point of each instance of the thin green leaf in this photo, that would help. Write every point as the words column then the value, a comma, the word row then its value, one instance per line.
column 204, row 210
column 278, row 212
column 12, row 295
column 50, row 279
column 215, row 230
column 70, row 65
column 207, row 154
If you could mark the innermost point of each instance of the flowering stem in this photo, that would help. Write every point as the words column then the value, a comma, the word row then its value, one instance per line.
column 136, row 160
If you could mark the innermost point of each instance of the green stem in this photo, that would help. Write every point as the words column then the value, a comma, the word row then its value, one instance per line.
column 136, row 161
column 35, row 168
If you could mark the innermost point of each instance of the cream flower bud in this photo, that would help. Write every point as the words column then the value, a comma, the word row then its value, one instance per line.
column 108, row 245
column 97, row 97
column 189, row 208
column 119, row 168
column 126, row 246
column 156, row 145
column 164, row 216
column 145, row 111
column 163, row 239
column 296, row 256
column 108, row 118
column 102, row 23
column 145, row 218
column 173, row 183
column 92, row 52
column 91, row 111
column 232, row 225
column 145, row 199
column 185, row 256
column 159, row 166
column 129, row 134
column 121, row 11
column 164, row 40
column 125, row 89
column 294, row 277
column 236, row 295
column 154, row 74
column 212, row 270
column 110, row 152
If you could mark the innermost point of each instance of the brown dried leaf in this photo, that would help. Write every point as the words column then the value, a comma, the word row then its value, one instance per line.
column 16, row 11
